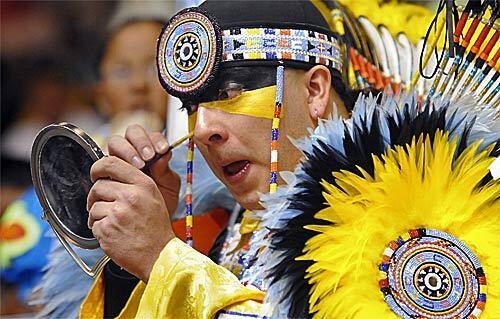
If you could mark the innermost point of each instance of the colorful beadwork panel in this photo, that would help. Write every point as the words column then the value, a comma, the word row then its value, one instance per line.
column 281, row 44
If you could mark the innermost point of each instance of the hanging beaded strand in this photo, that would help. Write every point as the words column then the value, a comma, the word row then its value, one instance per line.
column 189, row 193
column 273, row 186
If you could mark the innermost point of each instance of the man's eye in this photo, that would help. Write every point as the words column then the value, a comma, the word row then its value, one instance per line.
column 223, row 95
column 229, row 93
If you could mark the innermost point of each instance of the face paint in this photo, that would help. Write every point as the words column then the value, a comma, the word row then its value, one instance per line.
column 256, row 103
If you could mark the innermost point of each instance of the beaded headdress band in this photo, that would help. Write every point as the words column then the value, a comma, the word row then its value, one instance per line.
column 192, row 46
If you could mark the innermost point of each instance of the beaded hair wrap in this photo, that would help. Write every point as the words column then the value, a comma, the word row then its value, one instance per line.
column 273, row 184
column 189, row 193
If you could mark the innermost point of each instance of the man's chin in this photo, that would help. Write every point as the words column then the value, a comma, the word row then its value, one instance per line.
column 249, row 200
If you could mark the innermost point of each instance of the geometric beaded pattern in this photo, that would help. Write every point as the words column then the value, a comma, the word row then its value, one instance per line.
column 428, row 273
column 273, row 183
column 189, row 193
column 281, row 44
column 186, row 51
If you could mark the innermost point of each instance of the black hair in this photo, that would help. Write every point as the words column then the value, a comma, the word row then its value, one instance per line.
column 346, row 94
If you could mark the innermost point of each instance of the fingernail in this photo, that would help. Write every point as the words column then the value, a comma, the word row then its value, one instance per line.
column 147, row 152
column 162, row 145
column 137, row 161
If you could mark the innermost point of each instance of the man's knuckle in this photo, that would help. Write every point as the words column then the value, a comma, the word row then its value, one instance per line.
column 176, row 178
column 149, row 184
column 118, row 214
column 132, row 199
column 114, row 142
column 114, row 209
column 131, row 129
column 106, row 230
column 111, row 162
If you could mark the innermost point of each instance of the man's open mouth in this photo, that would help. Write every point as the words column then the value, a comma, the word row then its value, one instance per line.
column 236, row 171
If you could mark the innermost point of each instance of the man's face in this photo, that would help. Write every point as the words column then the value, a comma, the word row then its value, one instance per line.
column 237, row 147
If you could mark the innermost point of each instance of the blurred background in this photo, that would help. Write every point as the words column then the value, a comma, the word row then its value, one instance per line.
column 69, row 61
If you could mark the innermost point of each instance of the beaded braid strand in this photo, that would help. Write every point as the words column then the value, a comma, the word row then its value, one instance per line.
column 273, row 186
column 189, row 193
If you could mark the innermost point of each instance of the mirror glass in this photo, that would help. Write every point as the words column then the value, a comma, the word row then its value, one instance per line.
column 65, row 179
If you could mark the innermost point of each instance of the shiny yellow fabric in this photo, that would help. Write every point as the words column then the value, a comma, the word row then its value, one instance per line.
column 183, row 284
column 248, row 224
column 256, row 103
column 93, row 305
column 247, row 227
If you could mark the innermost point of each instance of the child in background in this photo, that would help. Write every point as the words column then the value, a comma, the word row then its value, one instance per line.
column 127, row 92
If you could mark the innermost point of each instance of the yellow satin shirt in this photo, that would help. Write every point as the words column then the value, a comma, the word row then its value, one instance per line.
column 183, row 284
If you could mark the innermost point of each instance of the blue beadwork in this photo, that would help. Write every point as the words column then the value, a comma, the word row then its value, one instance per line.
column 434, row 275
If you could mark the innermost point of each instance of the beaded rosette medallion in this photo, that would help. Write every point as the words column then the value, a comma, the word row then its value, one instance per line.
column 187, row 52
column 430, row 274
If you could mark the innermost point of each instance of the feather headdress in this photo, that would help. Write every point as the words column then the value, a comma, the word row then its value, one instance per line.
column 367, row 182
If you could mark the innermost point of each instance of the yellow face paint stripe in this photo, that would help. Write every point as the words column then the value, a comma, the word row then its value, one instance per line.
column 191, row 122
column 257, row 103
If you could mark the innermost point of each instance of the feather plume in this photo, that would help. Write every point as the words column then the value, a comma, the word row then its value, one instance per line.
column 351, row 146
column 419, row 185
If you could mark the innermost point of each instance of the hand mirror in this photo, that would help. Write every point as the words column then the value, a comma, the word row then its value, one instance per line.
column 61, row 157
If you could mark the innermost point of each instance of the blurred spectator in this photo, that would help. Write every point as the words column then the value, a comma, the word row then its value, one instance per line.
column 42, row 103
column 127, row 91
column 128, row 79
column 45, row 96
column 36, row 91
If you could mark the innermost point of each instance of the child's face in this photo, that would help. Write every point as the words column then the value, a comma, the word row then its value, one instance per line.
column 129, row 78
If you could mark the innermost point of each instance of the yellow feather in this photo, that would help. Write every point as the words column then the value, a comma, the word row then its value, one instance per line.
column 419, row 185
column 398, row 17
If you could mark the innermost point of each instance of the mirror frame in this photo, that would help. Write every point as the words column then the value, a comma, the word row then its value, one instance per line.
column 63, row 233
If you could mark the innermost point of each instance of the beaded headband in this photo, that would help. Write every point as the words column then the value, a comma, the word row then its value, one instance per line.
column 281, row 44
column 192, row 46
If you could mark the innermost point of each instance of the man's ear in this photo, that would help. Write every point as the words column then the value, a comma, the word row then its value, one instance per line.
column 318, row 82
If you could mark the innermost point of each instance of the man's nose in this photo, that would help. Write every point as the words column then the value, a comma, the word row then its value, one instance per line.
column 210, row 128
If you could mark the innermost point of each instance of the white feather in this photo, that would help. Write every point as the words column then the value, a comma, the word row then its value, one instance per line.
column 416, row 56
column 378, row 44
column 405, row 51
column 391, row 51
